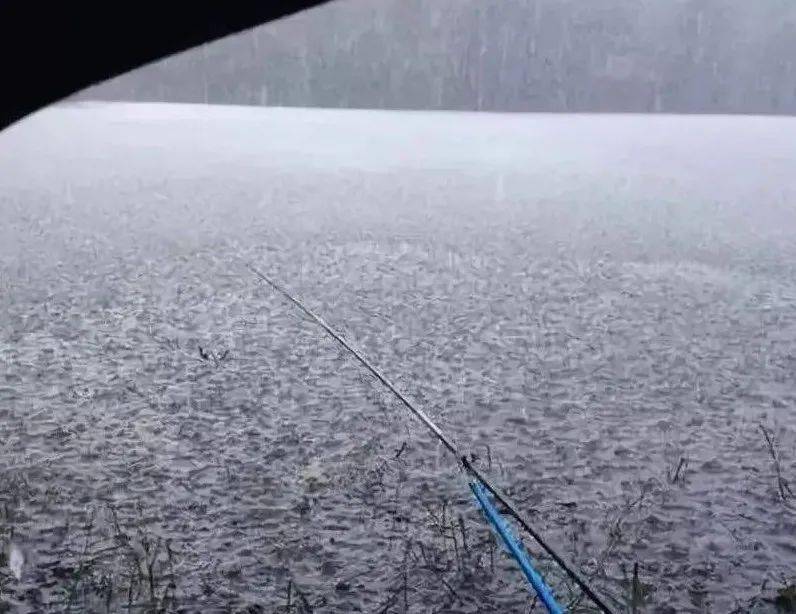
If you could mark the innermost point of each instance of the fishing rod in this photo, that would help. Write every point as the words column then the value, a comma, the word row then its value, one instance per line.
column 489, row 511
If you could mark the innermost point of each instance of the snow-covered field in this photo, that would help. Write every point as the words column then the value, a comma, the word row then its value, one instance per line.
column 601, row 308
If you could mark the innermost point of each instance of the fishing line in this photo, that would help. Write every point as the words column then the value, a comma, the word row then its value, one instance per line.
column 499, row 495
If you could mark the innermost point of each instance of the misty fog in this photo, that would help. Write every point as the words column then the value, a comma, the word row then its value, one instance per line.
column 684, row 56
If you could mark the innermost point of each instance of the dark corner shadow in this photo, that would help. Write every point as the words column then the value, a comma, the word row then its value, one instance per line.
column 49, row 50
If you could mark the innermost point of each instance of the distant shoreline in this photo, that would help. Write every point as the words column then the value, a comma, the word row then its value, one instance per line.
column 78, row 102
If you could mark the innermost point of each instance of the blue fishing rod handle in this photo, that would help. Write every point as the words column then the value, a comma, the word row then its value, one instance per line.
column 515, row 548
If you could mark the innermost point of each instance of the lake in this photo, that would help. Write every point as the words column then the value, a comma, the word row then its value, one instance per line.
column 600, row 308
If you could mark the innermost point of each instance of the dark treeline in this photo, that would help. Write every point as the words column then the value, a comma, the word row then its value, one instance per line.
column 735, row 56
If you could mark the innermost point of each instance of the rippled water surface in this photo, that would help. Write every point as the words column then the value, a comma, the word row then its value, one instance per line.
column 601, row 308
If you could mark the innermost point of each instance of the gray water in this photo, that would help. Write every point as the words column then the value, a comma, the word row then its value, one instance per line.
column 601, row 308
